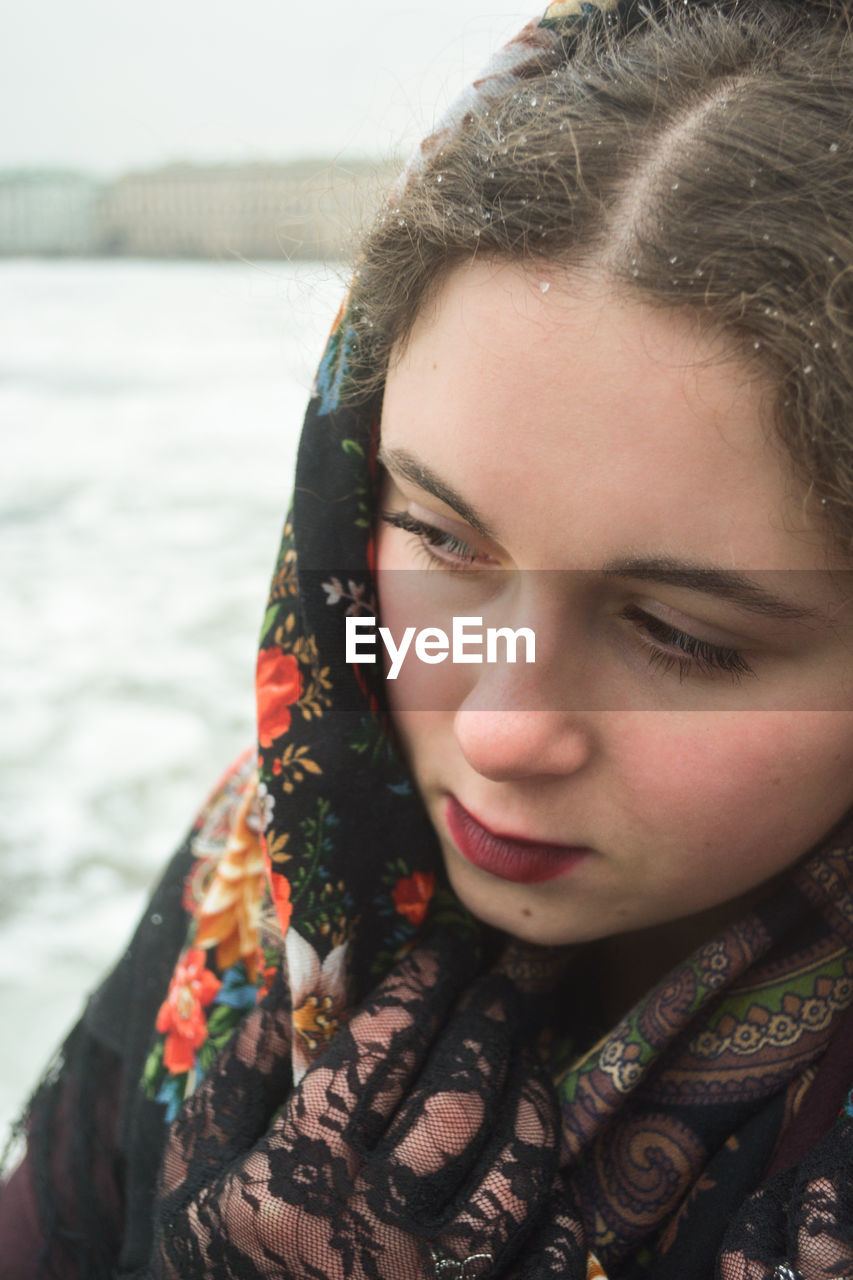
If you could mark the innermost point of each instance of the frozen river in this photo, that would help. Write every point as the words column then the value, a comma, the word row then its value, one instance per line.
column 149, row 415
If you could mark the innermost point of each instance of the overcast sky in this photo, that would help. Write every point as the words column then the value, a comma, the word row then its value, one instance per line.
column 105, row 85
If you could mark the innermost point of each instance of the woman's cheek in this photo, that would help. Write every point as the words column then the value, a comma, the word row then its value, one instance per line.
column 755, row 789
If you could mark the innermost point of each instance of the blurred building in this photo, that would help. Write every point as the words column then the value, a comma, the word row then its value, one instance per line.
column 299, row 210
column 305, row 209
column 47, row 212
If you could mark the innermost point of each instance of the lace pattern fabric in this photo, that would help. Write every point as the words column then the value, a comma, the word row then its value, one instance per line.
column 422, row 1143
column 799, row 1225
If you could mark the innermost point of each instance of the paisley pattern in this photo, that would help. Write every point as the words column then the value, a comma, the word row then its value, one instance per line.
column 649, row 1161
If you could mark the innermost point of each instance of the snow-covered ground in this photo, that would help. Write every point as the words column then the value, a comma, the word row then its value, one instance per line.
column 149, row 414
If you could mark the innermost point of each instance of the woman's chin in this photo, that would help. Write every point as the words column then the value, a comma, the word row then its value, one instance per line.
column 502, row 906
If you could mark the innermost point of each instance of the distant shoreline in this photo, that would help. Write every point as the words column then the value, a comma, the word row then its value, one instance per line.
column 295, row 211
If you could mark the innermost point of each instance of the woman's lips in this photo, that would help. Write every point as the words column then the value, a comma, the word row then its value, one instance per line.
column 510, row 858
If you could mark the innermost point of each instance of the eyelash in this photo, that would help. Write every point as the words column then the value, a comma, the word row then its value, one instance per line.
column 692, row 656
column 685, row 654
column 432, row 540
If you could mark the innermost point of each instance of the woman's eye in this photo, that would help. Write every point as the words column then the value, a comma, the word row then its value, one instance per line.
column 667, row 647
column 672, row 650
column 440, row 547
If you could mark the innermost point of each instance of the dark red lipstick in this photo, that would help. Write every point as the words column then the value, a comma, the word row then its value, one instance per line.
column 508, row 857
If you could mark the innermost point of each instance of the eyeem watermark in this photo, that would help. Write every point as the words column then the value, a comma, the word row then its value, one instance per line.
column 432, row 644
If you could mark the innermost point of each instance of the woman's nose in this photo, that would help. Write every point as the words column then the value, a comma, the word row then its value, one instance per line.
column 521, row 720
column 503, row 744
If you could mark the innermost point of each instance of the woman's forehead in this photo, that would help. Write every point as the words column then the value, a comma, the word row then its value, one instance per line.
column 598, row 424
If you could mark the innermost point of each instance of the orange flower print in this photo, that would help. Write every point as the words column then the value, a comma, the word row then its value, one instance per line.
column 229, row 913
column 278, row 685
column 266, row 973
column 412, row 893
column 181, row 1015
column 280, row 889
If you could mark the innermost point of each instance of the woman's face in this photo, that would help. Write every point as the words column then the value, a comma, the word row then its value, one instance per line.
column 686, row 730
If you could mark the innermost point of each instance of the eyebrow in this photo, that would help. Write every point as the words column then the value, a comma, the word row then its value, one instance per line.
column 402, row 463
column 724, row 584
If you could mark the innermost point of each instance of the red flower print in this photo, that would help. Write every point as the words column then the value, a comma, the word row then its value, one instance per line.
column 278, row 684
column 280, row 888
column 412, row 893
column 267, row 973
column 181, row 1015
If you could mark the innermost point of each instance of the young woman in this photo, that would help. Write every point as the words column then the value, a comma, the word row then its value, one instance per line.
column 532, row 968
